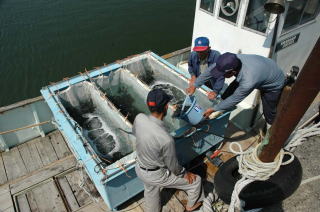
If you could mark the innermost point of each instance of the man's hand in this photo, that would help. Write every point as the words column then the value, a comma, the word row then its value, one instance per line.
column 212, row 95
column 208, row 112
column 192, row 80
column 190, row 177
column 191, row 90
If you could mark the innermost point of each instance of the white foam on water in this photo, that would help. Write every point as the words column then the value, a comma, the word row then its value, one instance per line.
column 157, row 83
column 106, row 130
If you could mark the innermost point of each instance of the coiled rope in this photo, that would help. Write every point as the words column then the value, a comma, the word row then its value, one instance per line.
column 252, row 169
column 207, row 203
column 299, row 136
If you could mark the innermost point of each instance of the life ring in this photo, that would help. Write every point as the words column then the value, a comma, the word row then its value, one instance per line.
column 259, row 194
column 229, row 7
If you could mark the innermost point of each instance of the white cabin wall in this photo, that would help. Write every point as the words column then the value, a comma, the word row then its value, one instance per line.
column 298, row 53
column 227, row 37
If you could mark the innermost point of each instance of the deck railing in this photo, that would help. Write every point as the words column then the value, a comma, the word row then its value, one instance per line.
column 23, row 121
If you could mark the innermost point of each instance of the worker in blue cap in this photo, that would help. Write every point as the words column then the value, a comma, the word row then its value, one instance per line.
column 251, row 72
column 202, row 58
column 157, row 163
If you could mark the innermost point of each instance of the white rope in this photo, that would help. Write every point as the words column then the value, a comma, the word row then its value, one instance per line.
column 212, row 203
column 299, row 136
column 207, row 204
column 82, row 182
column 252, row 169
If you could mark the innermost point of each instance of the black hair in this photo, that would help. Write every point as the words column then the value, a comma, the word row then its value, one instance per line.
column 238, row 68
column 157, row 109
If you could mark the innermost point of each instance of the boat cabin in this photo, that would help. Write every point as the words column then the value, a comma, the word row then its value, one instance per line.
column 244, row 26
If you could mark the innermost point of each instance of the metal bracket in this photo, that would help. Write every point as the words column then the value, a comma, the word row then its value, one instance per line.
column 292, row 75
column 3, row 145
column 265, row 141
column 36, row 118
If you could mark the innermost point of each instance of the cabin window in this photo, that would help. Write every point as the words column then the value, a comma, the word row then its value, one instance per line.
column 300, row 12
column 229, row 10
column 257, row 17
column 207, row 5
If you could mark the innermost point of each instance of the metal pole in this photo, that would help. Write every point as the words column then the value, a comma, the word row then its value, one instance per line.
column 274, row 37
column 295, row 105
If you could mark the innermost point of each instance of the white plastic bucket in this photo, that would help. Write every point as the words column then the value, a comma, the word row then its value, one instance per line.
column 194, row 114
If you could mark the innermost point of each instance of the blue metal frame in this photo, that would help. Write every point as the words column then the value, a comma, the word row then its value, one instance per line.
column 72, row 134
column 118, row 188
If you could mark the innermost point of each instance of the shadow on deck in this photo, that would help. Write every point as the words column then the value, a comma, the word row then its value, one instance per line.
column 43, row 175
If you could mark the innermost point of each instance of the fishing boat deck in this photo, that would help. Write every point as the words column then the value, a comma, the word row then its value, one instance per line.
column 43, row 175
column 174, row 200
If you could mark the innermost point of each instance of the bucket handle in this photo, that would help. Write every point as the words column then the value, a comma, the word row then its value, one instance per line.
column 184, row 105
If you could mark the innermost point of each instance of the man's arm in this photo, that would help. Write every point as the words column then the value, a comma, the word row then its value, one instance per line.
column 170, row 159
column 192, row 80
column 134, row 126
column 213, row 57
column 204, row 76
column 171, row 162
column 240, row 93
column 190, row 64
column 218, row 84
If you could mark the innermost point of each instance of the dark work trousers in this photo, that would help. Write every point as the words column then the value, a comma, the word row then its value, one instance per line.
column 230, row 89
column 269, row 100
column 208, row 84
column 269, row 103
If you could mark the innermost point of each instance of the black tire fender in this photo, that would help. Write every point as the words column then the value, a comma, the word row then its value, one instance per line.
column 259, row 193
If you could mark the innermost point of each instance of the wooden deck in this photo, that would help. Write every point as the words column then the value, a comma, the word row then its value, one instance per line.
column 42, row 175
column 175, row 200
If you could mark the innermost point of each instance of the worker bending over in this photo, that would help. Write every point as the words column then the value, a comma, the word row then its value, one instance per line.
column 251, row 72
column 157, row 164
column 202, row 59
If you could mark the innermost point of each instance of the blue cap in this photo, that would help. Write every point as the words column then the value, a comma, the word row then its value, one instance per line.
column 201, row 44
column 157, row 98
column 226, row 62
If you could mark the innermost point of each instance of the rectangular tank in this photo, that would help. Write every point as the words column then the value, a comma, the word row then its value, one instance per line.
column 128, row 94
column 152, row 71
column 100, row 122
column 95, row 112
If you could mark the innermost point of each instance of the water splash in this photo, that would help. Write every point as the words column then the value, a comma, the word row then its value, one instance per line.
column 100, row 135
column 178, row 94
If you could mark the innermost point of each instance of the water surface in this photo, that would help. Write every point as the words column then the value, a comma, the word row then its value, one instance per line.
column 43, row 41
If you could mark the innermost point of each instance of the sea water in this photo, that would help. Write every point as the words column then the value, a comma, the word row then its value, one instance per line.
column 127, row 100
column 34, row 33
column 178, row 95
column 131, row 102
column 95, row 130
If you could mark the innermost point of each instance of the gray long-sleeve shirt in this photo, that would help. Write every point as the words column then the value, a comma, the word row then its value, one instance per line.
column 155, row 146
column 217, row 83
column 257, row 72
